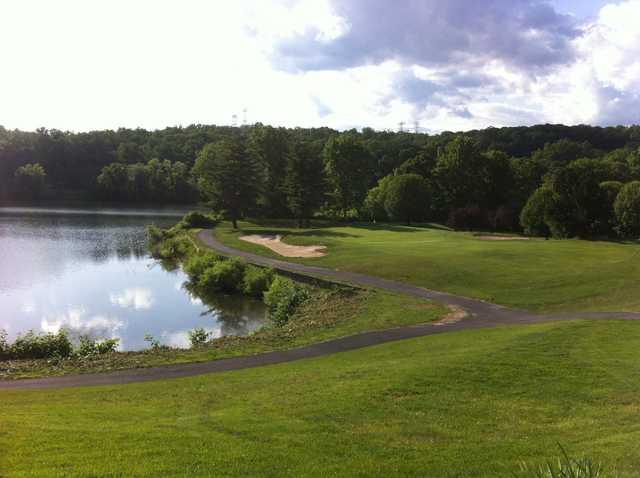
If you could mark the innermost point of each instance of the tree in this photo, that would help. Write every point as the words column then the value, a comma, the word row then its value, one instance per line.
column 30, row 180
column 227, row 175
column 349, row 168
column 304, row 181
column 113, row 182
column 533, row 217
column 580, row 206
column 627, row 208
column 611, row 189
column 459, row 173
column 129, row 153
column 271, row 146
column 407, row 198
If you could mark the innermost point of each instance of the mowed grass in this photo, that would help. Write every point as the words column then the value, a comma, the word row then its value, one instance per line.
column 536, row 274
column 469, row 404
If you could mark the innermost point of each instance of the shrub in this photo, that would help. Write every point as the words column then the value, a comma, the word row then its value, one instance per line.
column 282, row 299
column 89, row 346
column 34, row 346
column 225, row 276
column 172, row 247
column 155, row 235
column 198, row 337
column 107, row 346
column 195, row 219
column 197, row 264
column 471, row 217
column 257, row 280
column 154, row 344
column 627, row 209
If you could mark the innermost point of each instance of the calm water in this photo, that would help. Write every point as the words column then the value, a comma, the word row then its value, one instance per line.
column 88, row 271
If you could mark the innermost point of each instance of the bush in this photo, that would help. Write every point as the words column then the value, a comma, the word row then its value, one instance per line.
column 225, row 276
column 195, row 219
column 471, row 217
column 257, row 280
column 197, row 264
column 627, row 209
column 36, row 346
column 155, row 235
column 198, row 337
column 282, row 299
column 172, row 247
column 89, row 346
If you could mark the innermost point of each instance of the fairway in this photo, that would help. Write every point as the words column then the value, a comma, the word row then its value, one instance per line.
column 537, row 274
column 466, row 404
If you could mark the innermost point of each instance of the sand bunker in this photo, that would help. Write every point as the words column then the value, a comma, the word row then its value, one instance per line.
column 502, row 238
column 288, row 250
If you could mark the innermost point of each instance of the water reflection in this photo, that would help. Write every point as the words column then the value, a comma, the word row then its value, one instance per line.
column 90, row 273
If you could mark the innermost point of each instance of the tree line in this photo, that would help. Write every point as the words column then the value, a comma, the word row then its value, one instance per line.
column 550, row 180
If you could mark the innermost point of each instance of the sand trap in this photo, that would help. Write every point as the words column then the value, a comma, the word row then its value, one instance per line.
column 502, row 238
column 276, row 245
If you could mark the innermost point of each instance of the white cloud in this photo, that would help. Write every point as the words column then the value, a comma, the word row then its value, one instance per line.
column 85, row 64
column 138, row 298
column 78, row 323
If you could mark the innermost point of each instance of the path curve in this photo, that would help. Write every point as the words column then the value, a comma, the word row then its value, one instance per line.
column 480, row 315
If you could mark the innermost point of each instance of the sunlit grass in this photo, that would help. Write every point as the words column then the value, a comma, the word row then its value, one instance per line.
column 537, row 274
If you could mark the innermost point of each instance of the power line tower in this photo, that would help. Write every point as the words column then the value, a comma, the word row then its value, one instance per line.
column 234, row 120
column 401, row 126
column 244, row 117
column 416, row 127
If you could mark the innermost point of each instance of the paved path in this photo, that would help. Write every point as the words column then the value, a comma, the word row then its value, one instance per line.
column 481, row 315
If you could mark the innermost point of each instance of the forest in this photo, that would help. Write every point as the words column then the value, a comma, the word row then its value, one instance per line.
column 546, row 180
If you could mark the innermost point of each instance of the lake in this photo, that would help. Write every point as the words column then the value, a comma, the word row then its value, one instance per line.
column 88, row 271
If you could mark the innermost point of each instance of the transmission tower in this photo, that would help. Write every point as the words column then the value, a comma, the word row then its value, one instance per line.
column 416, row 127
column 244, row 117
column 234, row 120
column 401, row 126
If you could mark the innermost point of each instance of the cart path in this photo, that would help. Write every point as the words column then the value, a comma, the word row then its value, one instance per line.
column 480, row 315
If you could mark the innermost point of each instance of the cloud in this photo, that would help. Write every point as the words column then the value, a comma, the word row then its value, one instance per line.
column 138, row 298
column 529, row 34
column 75, row 320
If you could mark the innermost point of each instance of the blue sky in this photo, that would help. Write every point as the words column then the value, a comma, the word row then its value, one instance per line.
column 443, row 64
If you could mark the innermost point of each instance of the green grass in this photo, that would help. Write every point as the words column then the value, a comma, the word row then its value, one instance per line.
column 329, row 314
column 539, row 275
column 469, row 404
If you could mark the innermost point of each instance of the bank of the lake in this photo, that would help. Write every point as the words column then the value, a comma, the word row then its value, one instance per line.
column 330, row 312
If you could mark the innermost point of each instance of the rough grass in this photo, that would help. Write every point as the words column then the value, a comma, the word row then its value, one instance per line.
column 469, row 404
column 329, row 314
column 539, row 275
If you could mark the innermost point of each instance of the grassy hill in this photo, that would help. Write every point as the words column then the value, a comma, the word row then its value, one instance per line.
column 474, row 403
column 535, row 274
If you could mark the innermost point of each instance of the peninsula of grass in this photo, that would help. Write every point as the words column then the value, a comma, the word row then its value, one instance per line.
column 474, row 403
column 536, row 274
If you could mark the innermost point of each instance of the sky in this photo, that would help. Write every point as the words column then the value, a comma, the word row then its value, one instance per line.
column 437, row 65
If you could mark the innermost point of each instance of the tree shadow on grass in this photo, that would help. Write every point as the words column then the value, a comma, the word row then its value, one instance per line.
column 301, row 233
column 400, row 228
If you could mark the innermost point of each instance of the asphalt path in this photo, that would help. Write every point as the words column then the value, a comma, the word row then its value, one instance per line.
column 480, row 315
